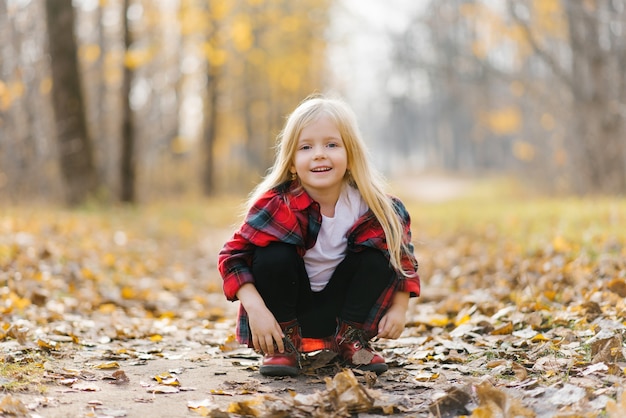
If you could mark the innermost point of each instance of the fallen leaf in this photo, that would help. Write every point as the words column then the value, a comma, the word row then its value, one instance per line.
column 109, row 365
column 452, row 404
column 495, row 402
column 12, row 406
column 618, row 286
column 167, row 379
column 616, row 409
column 86, row 387
column 161, row 389
column 503, row 330
column 119, row 378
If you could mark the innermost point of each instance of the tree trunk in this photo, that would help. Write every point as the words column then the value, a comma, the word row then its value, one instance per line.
column 75, row 147
column 599, row 159
column 210, row 132
column 128, row 159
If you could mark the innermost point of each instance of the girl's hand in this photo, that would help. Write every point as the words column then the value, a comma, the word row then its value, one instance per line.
column 265, row 331
column 392, row 323
column 263, row 326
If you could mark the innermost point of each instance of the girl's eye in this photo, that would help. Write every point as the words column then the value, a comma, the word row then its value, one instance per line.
column 305, row 147
column 332, row 145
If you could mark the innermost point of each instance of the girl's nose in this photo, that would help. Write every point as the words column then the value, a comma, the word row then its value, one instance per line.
column 319, row 153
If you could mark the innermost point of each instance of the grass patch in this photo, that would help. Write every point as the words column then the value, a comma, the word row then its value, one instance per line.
column 21, row 376
column 491, row 208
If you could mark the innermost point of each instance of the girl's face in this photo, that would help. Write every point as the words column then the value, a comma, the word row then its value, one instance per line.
column 320, row 160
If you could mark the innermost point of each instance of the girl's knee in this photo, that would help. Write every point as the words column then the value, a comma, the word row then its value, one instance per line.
column 275, row 255
column 371, row 258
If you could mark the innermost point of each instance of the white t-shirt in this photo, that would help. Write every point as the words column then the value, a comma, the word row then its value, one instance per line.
column 330, row 248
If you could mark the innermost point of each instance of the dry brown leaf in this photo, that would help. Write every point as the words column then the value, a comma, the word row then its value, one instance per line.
column 12, row 406
column 608, row 350
column 362, row 357
column 119, row 378
column 451, row 404
column 86, row 387
column 616, row 409
column 207, row 408
column 351, row 393
column 245, row 408
column 618, row 286
column 495, row 363
column 498, row 403
column 520, row 371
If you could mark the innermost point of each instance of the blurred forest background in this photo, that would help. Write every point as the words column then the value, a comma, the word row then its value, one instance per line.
column 140, row 100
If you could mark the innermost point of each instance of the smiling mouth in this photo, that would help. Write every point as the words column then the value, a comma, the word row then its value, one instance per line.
column 321, row 169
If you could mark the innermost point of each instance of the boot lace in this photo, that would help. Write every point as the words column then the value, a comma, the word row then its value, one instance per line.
column 356, row 335
column 291, row 347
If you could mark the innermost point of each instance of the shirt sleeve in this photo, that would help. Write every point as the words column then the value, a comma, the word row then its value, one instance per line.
column 234, row 262
column 269, row 220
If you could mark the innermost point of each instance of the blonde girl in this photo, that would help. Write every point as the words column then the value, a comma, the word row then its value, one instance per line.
column 323, row 259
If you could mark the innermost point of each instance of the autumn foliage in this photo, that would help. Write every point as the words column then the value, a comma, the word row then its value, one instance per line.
column 522, row 307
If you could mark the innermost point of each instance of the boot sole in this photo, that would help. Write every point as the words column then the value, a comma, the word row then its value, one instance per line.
column 278, row 371
column 376, row 368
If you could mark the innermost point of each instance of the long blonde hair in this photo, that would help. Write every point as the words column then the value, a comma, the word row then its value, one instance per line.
column 362, row 173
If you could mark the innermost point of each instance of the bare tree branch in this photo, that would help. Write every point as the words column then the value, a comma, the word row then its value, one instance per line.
column 560, row 73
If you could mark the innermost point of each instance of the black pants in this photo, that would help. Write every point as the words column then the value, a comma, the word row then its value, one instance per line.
column 282, row 280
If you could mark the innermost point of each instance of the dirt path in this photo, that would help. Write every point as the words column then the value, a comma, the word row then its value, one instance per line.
column 198, row 378
column 430, row 188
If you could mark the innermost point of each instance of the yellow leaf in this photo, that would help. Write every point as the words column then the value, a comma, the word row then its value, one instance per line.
column 438, row 321
column 549, row 294
column 47, row 345
column 424, row 376
column 503, row 330
column 107, row 366
column 465, row 318
column 167, row 379
column 128, row 292
column 18, row 302
column 107, row 308
column 230, row 343
column 156, row 338
column 167, row 315
column 245, row 408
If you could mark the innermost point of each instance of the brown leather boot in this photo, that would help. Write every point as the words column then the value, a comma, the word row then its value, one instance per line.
column 354, row 348
column 287, row 363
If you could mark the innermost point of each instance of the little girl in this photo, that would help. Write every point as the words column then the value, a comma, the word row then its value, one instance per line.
column 323, row 259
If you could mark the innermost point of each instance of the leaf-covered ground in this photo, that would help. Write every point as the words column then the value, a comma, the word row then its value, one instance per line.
column 119, row 312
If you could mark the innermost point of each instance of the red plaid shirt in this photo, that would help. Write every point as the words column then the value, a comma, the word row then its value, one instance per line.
column 288, row 214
